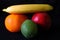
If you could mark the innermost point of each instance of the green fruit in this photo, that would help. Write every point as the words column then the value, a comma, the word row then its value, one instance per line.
column 29, row 29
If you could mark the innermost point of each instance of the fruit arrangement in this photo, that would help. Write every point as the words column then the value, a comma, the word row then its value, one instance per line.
column 18, row 21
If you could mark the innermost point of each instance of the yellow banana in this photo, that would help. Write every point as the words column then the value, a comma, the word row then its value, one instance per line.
column 28, row 8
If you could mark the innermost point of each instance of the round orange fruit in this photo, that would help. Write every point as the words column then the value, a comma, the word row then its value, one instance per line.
column 13, row 22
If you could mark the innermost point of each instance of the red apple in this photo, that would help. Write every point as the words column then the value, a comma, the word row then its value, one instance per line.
column 43, row 19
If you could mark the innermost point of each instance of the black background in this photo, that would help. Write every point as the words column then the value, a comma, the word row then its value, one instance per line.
column 52, row 34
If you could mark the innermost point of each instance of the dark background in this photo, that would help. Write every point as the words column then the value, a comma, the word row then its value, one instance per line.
column 52, row 34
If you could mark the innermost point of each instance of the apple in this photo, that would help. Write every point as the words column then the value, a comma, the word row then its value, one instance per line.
column 42, row 19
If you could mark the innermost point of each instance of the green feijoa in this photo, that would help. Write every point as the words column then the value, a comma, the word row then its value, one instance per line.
column 29, row 29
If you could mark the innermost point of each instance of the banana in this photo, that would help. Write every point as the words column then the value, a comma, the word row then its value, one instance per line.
column 28, row 8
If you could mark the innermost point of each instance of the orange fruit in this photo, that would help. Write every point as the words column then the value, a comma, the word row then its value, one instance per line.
column 13, row 22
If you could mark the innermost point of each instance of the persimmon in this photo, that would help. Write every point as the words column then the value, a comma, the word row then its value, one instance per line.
column 13, row 22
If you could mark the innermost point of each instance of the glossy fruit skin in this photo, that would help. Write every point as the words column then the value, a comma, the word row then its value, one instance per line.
column 29, row 29
column 43, row 19
column 13, row 22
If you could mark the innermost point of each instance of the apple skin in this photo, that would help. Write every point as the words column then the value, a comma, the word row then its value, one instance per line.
column 42, row 19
